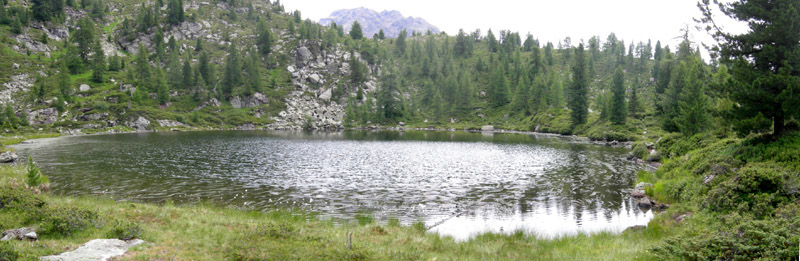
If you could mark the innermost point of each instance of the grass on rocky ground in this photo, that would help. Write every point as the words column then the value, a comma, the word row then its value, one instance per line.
column 205, row 232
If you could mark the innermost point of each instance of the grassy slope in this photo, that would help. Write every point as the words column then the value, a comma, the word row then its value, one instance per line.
column 203, row 232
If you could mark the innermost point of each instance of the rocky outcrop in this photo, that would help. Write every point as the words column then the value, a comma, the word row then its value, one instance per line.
column 8, row 157
column 18, row 83
column 252, row 101
column 24, row 233
column 98, row 249
column 318, row 73
column 170, row 123
column 33, row 45
column 43, row 116
column 140, row 124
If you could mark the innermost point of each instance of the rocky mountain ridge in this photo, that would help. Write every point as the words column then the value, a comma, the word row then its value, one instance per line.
column 392, row 22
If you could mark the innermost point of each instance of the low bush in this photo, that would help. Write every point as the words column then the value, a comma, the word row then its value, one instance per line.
column 124, row 230
column 65, row 220
column 758, row 189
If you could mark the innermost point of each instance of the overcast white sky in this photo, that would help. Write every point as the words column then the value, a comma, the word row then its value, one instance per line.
column 551, row 20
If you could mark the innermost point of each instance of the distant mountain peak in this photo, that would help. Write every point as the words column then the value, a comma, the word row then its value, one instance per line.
column 391, row 21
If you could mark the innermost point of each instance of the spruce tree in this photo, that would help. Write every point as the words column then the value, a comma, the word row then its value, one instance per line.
column 64, row 83
column 254, row 76
column 355, row 31
column 264, row 38
column 84, row 37
column 175, row 77
column 400, row 43
column 205, row 69
column 521, row 97
column 188, row 80
column 98, row 63
column 618, row 107
column 765, row 62
column 498, row 91
column 579, row 89
column 635, row 104
column 142, row 68
column 232, row 76
column 693, row 106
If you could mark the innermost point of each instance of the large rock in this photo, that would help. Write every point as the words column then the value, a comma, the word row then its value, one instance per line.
column 170, row 123
column 98, row 249
column 17, row 83
column 487, row 128
column 8, row 157
column 326, row 95
column 140, row 124
column 303, row 55
column 24, row 233
column 84, row 88
column 43, row 116
column 236, row 102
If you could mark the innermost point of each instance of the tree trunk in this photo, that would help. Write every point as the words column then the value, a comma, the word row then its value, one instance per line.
column 778, row 128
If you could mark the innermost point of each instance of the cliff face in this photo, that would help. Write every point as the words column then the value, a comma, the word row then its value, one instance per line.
column 392, row 22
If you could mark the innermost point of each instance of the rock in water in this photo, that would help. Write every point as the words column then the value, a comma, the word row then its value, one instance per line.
column 98, row 249
column 8, row 157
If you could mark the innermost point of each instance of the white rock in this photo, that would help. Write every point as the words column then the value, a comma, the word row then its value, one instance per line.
column 98, row 249
column 84, row 88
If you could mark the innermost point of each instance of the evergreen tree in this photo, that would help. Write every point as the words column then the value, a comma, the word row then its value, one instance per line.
column 175, row 13
column 521, row 97
column 381, row 35
column 355, row 31
column 161, row 87
column 232, row 76
column 187, row 80
column 16, row 26
column 493, row 46
column 84, row 37
column 400, row 43
column 98, row 9
column 668, row 102
column 175, row 77
column 463, row 46
column 579, row 89
column 254, row 76
column 357, row 74
column 693, row 106
column 765, row 62
column 142, row 66
column 498, row 90
column 205, row 69
column 388, row 105
column 264, row 39
column 619, row 111
column 98, row 63
column 45, row 10
column 635, row 104
column 64, row 83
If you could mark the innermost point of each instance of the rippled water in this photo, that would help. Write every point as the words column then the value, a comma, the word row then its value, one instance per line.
column 458, row 183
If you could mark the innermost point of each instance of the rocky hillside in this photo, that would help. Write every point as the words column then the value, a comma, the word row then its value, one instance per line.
column 287, row 79
column 392, row 22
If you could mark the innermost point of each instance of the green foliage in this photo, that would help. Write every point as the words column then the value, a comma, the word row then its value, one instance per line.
column 19, row 199
column 619, row 111
column 84, row 37
column 578, row 89
column 757, row 189
column 739, row 237
column 232, row 76
column 264, row 38
column 34, row 178
column 355, row 31
column 125, row 230
column 175, row 12
column 66, row 220
column 47, row 10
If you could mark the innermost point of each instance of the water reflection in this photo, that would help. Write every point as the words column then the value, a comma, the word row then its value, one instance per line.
column 459, row 183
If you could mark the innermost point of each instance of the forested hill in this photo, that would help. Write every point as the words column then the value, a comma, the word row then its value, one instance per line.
column 90, row 65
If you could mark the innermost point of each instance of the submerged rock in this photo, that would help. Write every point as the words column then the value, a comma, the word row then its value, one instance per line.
column 98, row 249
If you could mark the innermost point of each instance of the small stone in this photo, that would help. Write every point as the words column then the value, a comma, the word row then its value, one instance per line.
column 15, row 66
column 8, row 157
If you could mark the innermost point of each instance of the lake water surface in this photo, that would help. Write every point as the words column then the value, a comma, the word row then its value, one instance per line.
column 458, row 183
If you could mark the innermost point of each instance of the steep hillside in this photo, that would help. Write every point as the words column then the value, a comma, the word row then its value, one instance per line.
column 392, row 22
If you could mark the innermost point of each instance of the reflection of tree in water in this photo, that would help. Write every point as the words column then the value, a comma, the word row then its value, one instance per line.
column 586, row 181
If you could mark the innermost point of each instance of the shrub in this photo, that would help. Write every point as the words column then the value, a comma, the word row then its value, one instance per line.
column 66, row 220
column 758, row 188
column 124, row 230
column 100, row 106
column 640, row 150
column 737, row 237
column 8, row 252
column 19, row 199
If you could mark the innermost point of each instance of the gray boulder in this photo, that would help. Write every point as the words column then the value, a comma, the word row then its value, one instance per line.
column 303, row 55
column 8, row 157
column 84, row 88
column 98, row 249
column 24, row 233
column 236, row 102
column 140, row 124
column 487, row 128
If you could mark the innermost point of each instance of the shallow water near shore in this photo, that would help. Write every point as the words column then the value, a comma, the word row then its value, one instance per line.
column 458, row 183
